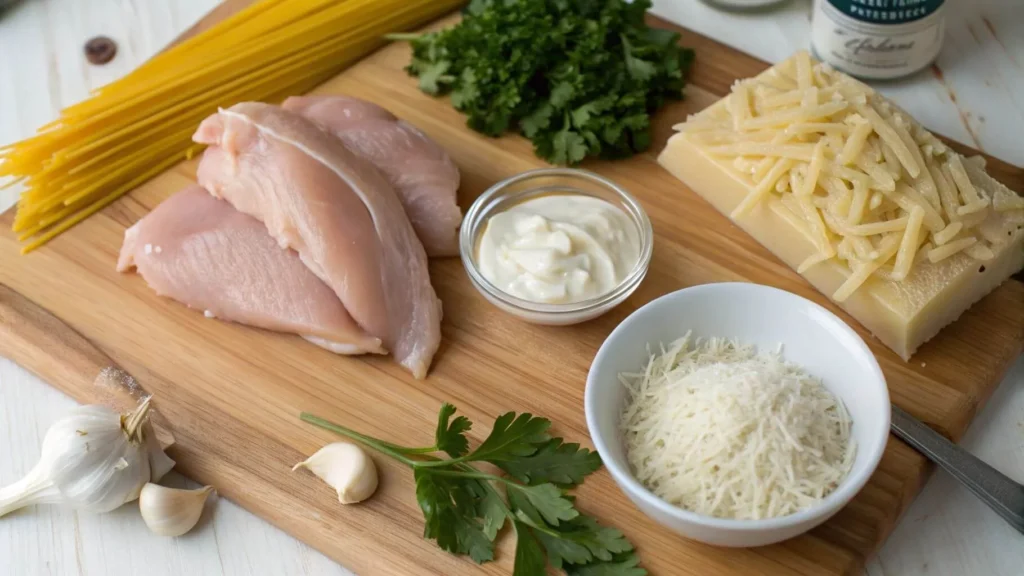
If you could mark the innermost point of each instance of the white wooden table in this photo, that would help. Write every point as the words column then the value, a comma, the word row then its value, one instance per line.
column 977, row 97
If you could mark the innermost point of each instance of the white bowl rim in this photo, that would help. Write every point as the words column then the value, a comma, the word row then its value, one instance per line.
column 850, row 486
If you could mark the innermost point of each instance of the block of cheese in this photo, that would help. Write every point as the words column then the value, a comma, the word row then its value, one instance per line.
column 848, row 190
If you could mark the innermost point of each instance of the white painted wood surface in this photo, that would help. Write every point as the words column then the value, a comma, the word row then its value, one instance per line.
column 977, row 97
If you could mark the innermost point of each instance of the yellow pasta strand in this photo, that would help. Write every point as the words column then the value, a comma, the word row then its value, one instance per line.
column 135, row 128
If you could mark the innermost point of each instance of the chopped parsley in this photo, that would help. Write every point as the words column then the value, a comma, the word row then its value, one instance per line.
column 579, row 78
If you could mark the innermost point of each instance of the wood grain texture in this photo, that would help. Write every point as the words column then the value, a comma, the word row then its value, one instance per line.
column 51, row 350
column 232, row 393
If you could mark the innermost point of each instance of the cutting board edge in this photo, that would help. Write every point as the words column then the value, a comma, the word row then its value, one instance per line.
column 919, row 479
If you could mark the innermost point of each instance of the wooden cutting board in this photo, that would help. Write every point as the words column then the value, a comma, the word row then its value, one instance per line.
column 232, row 394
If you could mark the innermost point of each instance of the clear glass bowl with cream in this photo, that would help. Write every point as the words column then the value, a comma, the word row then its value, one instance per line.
column 556, row 246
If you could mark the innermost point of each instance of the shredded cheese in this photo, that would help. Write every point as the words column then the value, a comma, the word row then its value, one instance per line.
column 947, row 233
column 714, row 428
column 946, row 250
column 851, row 171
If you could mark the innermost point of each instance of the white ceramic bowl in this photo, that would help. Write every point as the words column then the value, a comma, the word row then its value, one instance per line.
column 752, row 314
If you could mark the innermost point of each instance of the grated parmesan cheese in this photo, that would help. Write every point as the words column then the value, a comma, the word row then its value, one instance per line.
column 714, row 428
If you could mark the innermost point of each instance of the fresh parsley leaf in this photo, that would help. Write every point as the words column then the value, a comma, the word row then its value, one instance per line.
column 639, row 69
column 641, row 139
column 561, row 94
column 549, row 501
column 602, row 541
column 624, row 565
column 466, row 91
column 556, row 462
column 473, row 540
column 477, row 6
column 451, row 437
column 578, row 541
column 432, row 76
column 512, row 437
column 661, row 37
column 438, row 513
column 538, row 120
column 515, row 64
column 492, row 509
column 465, row 508
column 523, row 509
column 530, row 559
column 569, row 146
column 563, row 551
column 581, row 115
column 449, row 512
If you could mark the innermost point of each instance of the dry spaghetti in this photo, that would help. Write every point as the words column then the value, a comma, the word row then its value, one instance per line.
column 134, row 128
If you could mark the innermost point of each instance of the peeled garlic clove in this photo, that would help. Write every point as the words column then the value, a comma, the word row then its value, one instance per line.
column 346, row 468
column 170, row 511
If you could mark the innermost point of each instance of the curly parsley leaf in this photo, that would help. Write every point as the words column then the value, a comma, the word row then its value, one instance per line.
column 538, row 120
column 516, row 65
column 640, row 70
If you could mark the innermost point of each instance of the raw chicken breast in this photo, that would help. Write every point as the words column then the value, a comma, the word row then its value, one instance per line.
column 422, row 173
column 346, row 107
column 200, row 251
column 337, row 211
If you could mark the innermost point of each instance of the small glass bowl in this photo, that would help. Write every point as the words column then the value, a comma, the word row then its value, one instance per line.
column 542, row 182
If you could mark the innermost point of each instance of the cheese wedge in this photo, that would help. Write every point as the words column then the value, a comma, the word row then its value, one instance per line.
column 848, row 190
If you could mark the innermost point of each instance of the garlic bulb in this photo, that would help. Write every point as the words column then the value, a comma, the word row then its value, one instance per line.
column 346, row 468
column 170, row 511
column 93, row 459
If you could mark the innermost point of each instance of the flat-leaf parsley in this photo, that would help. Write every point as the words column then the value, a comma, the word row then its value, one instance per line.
column 577, row 77
column 464, row 508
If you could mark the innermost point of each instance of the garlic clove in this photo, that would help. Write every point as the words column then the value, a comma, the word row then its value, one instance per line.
column 93, row 459
column 171, row 511
column 346, row 468
column 159, row 462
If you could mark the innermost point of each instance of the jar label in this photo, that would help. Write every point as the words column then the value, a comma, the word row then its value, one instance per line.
column 887, row 11
column 877, row 39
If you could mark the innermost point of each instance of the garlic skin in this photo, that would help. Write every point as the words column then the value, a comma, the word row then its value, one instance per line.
column 170, row 511
column 159, row 462
column 93, row 459
column 346, row 468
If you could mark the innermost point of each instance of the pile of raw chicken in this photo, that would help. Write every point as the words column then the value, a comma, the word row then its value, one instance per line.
column 315, row 217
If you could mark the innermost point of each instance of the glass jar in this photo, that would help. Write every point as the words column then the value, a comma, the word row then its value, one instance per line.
column 878, row 39
column 743, row 4
column 543, row 182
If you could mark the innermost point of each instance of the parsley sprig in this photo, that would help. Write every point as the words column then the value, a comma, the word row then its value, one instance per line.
column 577, row 77
column 464, row 508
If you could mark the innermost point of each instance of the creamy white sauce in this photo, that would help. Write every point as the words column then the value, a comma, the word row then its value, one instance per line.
column 558, row 249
